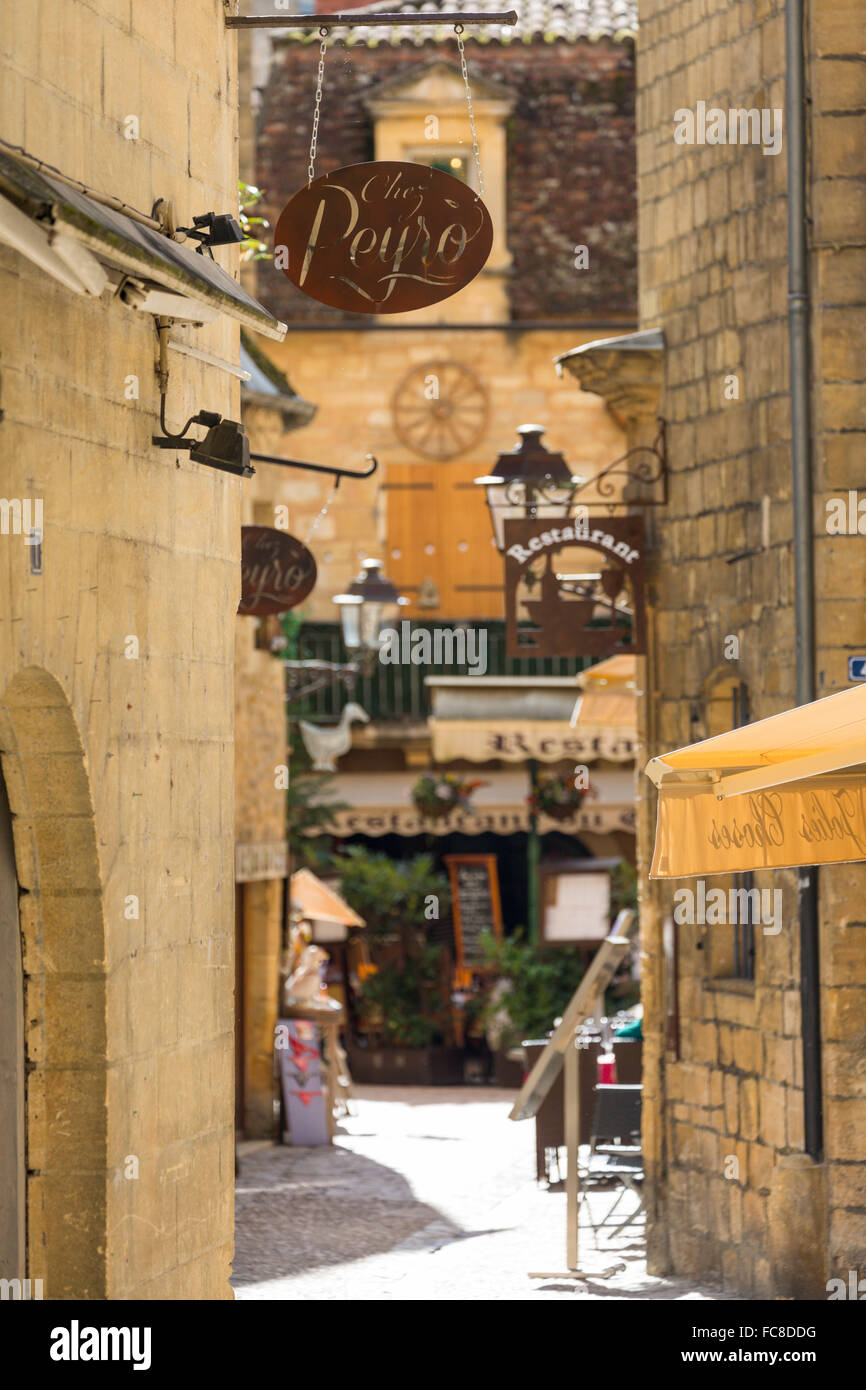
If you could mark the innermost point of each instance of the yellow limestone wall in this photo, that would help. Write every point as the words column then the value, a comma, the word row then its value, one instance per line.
column 120, row 768
column 730, row 1192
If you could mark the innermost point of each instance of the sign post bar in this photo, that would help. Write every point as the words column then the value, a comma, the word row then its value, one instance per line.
column 333, row 21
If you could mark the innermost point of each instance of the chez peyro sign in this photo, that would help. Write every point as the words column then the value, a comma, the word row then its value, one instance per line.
column 383, row 237
column 277, row 571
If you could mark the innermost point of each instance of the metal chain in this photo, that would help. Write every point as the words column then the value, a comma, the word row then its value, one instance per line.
column 458, row 30
column 328, row 500
column 311, row 168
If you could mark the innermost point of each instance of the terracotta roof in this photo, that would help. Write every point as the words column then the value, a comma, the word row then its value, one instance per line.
column 568, row 21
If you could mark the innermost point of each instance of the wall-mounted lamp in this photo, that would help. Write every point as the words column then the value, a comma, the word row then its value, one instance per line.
column 214, row 229
column 225, row 446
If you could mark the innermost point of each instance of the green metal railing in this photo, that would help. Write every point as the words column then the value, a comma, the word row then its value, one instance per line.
column 398, row 692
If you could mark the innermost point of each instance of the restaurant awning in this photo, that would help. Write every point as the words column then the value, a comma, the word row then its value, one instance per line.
column 380, row 804
column 515, row 718
column 74, row 237
column 314, row 901
column 608, row 698
column 774, row 794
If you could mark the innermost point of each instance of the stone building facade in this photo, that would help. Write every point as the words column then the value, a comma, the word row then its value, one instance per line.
column 116, row 678
column 732, row 1192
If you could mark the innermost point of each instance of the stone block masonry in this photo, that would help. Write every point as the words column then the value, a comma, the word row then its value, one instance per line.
column 730, row 1186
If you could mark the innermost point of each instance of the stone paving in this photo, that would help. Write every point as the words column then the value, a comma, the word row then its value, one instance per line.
column 428, row 1194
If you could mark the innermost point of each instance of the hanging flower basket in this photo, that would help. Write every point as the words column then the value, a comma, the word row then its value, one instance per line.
column 556, row 796
column 435, row 798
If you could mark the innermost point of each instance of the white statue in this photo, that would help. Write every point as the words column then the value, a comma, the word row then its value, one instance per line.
column 326, row 745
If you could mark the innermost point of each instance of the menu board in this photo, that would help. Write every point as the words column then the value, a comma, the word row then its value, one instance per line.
column 475, row 905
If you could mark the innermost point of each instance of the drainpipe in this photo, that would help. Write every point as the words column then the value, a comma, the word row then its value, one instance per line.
column 804, row 589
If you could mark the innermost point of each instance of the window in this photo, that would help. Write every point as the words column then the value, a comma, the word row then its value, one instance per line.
column 450, row 161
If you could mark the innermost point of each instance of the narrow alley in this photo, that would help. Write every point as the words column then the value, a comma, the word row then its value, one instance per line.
column 427, row 1194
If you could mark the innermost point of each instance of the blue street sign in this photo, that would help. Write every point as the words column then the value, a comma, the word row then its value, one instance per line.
column 857, row 668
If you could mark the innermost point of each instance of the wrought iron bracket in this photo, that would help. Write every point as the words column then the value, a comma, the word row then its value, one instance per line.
column 305, row 678
column 647, row 464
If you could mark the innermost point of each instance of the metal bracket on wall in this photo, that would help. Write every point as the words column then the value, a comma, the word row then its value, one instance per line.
column 647, row 464
column 337, row 473
column 305, row 678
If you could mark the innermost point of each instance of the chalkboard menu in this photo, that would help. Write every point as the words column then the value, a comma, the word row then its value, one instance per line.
column 475, row 905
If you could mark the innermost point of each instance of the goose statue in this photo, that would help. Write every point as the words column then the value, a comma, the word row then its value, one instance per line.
column 326, row 745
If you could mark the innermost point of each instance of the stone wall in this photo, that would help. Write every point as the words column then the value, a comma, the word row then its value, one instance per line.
column 713, row 249
column 124, row 834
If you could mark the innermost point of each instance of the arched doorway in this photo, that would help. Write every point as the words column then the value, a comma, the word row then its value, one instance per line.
column 55, row 1159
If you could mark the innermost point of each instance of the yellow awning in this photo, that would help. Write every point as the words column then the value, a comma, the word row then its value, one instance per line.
column 609, row 697
column 774, row 794
column 316, row 902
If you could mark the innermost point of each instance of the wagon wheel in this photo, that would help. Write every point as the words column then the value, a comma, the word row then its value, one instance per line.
column 440, row 410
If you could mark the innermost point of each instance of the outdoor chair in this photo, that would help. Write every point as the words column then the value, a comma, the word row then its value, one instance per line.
column 615, row 1148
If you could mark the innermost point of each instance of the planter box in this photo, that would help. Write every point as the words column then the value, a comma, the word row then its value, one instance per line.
column 508, row 1073
column 406, row 1066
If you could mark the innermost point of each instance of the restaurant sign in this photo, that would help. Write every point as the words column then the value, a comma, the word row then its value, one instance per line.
column 277, row 571
column 822, row 821
column 383, row 238
column 574, row 589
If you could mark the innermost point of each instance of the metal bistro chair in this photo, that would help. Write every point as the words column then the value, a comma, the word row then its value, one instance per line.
column 615, row 1148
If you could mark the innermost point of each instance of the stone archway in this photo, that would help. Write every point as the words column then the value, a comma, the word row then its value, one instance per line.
column 62, row 940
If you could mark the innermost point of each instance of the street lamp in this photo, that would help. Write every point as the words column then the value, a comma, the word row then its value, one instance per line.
column 362, row 609
column 363, row 620
column 527, row 482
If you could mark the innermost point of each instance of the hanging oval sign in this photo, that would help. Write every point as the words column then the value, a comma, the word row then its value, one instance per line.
column 383, row 238
column 277, row 571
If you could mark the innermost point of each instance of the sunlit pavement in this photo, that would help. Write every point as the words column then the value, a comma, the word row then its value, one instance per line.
column 426, row 1193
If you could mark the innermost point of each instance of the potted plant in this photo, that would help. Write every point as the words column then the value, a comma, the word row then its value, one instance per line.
column 555, row 794
column 535, row 985
column 435, row 797
column 404, row 1001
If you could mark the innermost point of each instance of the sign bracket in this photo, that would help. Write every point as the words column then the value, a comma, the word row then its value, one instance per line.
column 334, row 21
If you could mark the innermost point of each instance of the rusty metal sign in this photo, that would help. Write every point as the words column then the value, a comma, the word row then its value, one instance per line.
column 277, row 571
column 574, row 588
column 383, row 237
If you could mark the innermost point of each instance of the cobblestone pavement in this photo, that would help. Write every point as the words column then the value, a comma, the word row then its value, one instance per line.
column 429, row 1194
